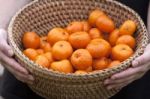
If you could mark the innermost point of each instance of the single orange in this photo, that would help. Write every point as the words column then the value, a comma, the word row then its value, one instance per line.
column 81, row 59
column 31, row 40
column 49, row 56
column 57, row 34
column 127, row 28
column 80, row 72
column 94, row 15
column 89, row 69
column 75, row 26
column 43, row 61
column 95, row 33
column 126, row 39
column 100, row 64
column 40, row 51
column 114, row 63
column 121, row 52
column 62, row 50
column 113, row 37
column 79, row 39
column 86, row 26
column 105, row 24
column 99, row 48
column 62, row 66
column 31, row 53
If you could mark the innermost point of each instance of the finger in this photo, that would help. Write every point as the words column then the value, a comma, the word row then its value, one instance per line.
column 25, row 78
column 117, row 86
column 12, row 62
column 5, row 48
column 118, row 81
column 128, row 72
column 141, row 60
column 3, row 34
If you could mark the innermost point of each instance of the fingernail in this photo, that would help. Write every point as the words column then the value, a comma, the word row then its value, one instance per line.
column 135, row 63
column 31, row 78
column 10, row 52
column 109, row 87
column 30, row 82
column 113, row 77
column 106, row 82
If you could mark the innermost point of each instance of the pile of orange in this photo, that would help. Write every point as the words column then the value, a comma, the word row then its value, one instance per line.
column 82, row 46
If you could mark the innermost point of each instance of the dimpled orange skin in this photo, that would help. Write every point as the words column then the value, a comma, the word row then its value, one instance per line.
column 57, row 34
column 80, row 72
column 40, row 51
column 79, row 39
column 89, row 69
column 127, row 28
column 43, row 61
column 121, row 52
column 113, row 37
column 81, row 59
column 31, row 40
column 114, row 63
column 127, row 39
column 31, row 53
column 62, row 66
column 94, row 15
column 86, row 26
column 49, row 56
column 95, row 33
column 99, row 48
column 100, row 64
column 62, row 50
column 75, row 26
column 105, row 24
column 45, row 46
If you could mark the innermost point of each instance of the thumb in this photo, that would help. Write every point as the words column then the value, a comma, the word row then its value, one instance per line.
column 4, row 47
column 141, row 60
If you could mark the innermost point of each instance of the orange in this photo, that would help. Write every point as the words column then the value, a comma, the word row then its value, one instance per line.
column 127, row 28
column 89, row 69
column 62, row 50
column 75, row 26
column 62, row 66
column 86, row 26
column 99, row 48
column 31, row 53
column 43, row 61
column 45, row 45
column 126, row 39
column 79, row 39
column 44, row 38
column 95, row 33
column 121, row 52
column 80, row 72
column 100, row 64
column 40, row 51
column 81, row 59
column 113, row 37
column 31, row 40
column 57, row 34
column 105, row 24
column 114, row 63
column 49, row 56
column 94, row 15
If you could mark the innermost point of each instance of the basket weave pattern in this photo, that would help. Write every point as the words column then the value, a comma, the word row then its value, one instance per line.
column 42, row 15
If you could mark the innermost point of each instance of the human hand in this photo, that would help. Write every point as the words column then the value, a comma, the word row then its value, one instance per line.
column 11, row 64
column 139, row 67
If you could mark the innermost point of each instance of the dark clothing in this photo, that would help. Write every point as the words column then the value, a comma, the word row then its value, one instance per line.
column 140, row 89
column 14, row 89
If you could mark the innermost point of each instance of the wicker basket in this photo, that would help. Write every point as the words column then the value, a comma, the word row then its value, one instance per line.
column 42, row 15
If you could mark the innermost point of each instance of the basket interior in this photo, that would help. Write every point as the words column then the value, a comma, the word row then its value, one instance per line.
column 42, row 15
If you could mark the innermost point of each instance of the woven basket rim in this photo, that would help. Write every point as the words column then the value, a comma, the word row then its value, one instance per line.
column 20, row 55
